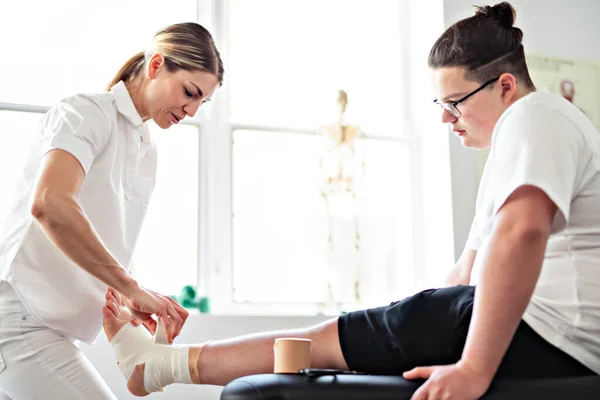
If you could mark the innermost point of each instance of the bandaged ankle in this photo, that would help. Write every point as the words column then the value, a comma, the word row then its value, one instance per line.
column 164, row 364
column 159, row 335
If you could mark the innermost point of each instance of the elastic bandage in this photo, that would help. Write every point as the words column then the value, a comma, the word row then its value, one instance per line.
column 165, row 364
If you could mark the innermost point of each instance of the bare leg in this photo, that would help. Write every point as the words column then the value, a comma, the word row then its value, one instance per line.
column 225, row 360
column 222, row 361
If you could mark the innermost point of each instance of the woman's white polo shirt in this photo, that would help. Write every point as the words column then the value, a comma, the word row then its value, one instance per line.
column 105, row 133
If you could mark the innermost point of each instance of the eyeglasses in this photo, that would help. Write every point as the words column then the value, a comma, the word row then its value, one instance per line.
column 451, row 106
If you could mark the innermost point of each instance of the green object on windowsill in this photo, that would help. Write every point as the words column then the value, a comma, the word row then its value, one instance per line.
column 189, row 298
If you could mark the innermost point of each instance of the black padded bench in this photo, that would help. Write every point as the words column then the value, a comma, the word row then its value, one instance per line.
column 373, row 387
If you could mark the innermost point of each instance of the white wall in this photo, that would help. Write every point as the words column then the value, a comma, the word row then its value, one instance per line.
column 559, row 28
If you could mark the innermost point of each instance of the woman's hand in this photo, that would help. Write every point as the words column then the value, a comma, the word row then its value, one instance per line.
column 144, row 303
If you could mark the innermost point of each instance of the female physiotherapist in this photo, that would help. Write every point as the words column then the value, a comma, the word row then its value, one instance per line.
column 77, row 213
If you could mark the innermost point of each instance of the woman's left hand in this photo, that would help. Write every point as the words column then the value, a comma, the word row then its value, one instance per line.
column 144, row 303
column 449, row 382
column 149, row 323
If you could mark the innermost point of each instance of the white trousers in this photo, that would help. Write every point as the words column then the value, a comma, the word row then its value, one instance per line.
column 37, row 362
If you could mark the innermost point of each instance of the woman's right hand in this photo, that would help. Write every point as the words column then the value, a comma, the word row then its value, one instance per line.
column 145, row 303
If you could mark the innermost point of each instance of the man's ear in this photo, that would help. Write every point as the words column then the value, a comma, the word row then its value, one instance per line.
column 508, row 85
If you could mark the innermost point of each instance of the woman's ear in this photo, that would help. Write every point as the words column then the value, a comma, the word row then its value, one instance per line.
column 155, row 65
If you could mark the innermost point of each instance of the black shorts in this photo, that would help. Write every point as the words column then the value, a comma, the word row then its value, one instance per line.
column 430, row 328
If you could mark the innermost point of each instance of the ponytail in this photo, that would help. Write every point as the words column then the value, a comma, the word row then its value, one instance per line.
column 186, row 45
column 129, row 70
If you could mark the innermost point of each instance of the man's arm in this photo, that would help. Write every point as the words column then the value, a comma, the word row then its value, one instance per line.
column 460, row 274
column 511, row 267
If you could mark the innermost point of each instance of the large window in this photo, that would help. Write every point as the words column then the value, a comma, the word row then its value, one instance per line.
column 245, row 206
column 288, row 236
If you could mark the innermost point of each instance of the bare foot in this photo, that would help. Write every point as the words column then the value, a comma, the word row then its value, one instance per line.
column 116, row 316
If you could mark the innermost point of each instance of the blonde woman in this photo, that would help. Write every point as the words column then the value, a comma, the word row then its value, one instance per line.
column 77, row 213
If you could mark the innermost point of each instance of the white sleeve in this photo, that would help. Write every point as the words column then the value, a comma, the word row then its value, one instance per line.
column 77, row 126
column 473, row 241
column 541, row 147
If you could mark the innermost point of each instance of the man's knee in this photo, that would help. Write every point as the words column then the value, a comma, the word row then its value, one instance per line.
column 326, row 351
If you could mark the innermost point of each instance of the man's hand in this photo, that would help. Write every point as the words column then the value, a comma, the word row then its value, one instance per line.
column 449, row 382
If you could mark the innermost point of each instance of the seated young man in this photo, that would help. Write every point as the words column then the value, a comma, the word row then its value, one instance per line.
column 533, row 254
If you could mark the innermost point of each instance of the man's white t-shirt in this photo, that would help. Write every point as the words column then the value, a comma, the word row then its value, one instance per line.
column 544, row 141
column 105, row 133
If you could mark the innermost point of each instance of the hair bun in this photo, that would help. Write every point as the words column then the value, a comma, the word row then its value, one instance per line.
column 502, row 12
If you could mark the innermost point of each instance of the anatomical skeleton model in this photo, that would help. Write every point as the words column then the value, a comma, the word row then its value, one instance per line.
column 341, row 165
